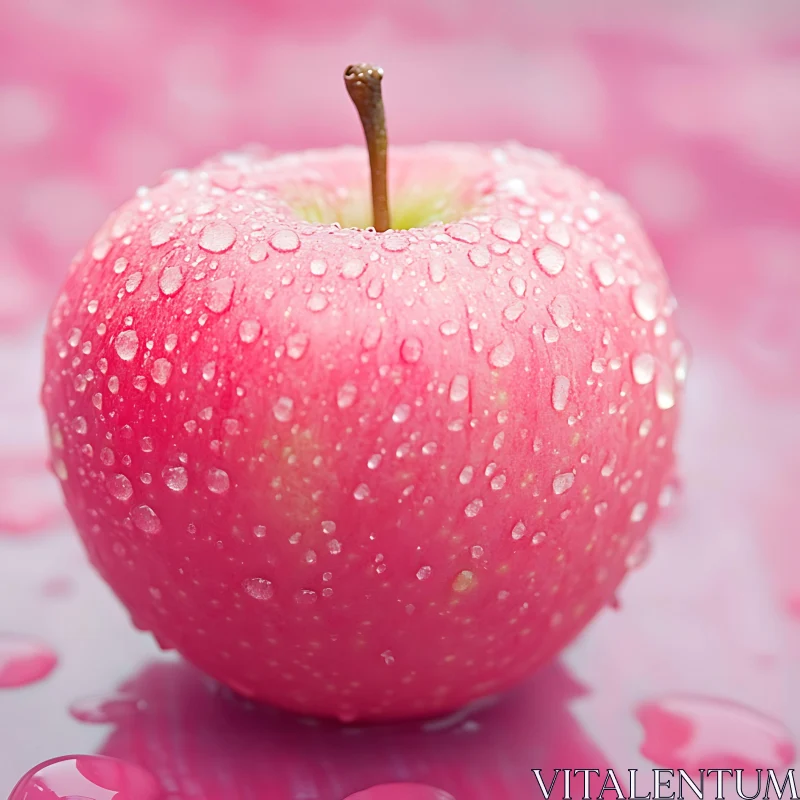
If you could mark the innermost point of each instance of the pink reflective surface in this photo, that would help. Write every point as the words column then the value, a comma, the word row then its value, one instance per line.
column 692, row 115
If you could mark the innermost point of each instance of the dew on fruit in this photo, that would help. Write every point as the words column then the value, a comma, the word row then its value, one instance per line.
column 507, row 229
column 551, row 335
column 171, row 342
column 260, row 531
column 473, row 508
column 563, row 482
column 449, row 328
column 283, row 409
column 600, row 508
column 217, row 237
column 318, row 267
column 665, row 389
column 599, row 365
column 423, row 573
column 258, row 252
column 219, row 294
column 476, row 551
column 466, row 474
column 305, row 597
column 436, row 269
column 133, row 282
column 346, row 395
column 550, row 258
column 334, row 547
column 394, row 242
column 161, row 370
column 645, row 427
column 480, row 256
column 463, row 232
column 603, row 272
column 249, row 330
column 518, row 531
column 645, row 301
column 518, row 286
column 353, row 268
column 217, row 480
column 145, row 519
column 459, row 388
column 285, row 241
column 538, row 537
column 361, row 491
column 561, row 311
column 126, row 344
column 170, row 280
column 638, row 512
column 258, row 588
column 560, row 392
column 401, row 413
column 558, row 233
column 209, row 371
column 429, row 448
column 464, row 581
column 175, row 478
column 411, row 350
column 502, row 354
column 643, row 367
column 80, row 426
column 296, row 345
column 317, row 302
column 373, row 462
column 119, row 486
column 638, row 554
column 514, row 311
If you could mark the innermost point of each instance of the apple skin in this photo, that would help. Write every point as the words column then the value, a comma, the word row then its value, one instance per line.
column 356, row 474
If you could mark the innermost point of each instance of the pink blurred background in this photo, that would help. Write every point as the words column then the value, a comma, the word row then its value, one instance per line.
column 691, row 110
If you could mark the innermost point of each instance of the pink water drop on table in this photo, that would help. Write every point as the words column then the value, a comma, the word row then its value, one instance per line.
column 401, row 791
column 23, row 660
column 87, row 778
column 695, row 732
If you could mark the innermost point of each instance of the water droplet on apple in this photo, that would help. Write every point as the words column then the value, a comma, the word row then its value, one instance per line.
column 502, row 354
column 258, row 252
column 449, row 328
column 459, row 388
column 145, row 519
column 643, row 367
column 473, row 508
column 518, row 286
column 161, row 370
column 463, row 232
column 346, row 395
column 538, row 537
column 258, row 588
column 563, row 482
column 283, row 409
column 217, row 237
column 411, row 350
column 561, row 311
column 175, row 478
column 305, row 597
column 401, row 413
column 317, row 302
column 638, row 512
column 507, row 229
column 423, row 573
column 436, row 269
column 119, row 486
column 513, row 312
column 126, row 344
column 171, row 280
column 353, row 268
column 560, row 392
column 394, row 242
column 480, row 256
column 603, row 272
column 665, row 389
column 550, row 258
column 285, row 241
column 217, row 480
column 558, row 233
column 249, row 330
column 219, row 294
column 361, row 491
column 645, row 299
column 296, row 345
column 464, row 581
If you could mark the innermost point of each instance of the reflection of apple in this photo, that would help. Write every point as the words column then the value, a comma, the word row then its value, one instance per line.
column 357, row 473
column 401, row 791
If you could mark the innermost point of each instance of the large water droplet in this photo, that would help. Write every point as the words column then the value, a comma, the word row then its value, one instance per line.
column 317, row 302
column 217, row 237
column 449, row 328
column 170, row 280
column 502, row 354
column 361, row 491
column 459, row 388
column 296, row 345
column 126, row 344
column 550, row 258
column 436, row 269
column 145, row 519
column 604, row 273
column 119, row 486
column 561, row 311
column 563, row 482
column 645, row 299
column 161, row 370
column 353, row 268
column 411, row 350
column 560, row 392
column 691, row 732
column 285, row 241
column 346, row 395
column 558, row 233
column 176, row 478
column 480, row 256
column 23, row 660
column 258, row 588
column 217, row 480
column 283, row 409
column 507, row 229
column 249, row 330
column 162, row 232
column 86, row 778
column 463, row 232
column 643, row 367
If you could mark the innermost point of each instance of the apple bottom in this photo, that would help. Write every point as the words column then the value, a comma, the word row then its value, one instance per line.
column 322, row 660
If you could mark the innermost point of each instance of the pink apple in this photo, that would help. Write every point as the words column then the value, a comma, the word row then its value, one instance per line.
column 366, row 474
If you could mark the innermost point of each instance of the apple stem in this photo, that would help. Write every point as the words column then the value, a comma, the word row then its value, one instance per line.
column 363, row 82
